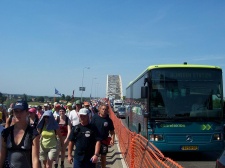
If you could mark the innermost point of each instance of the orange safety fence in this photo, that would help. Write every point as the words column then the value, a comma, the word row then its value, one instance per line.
column 137, row 151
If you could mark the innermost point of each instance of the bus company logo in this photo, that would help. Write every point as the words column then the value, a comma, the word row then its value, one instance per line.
column 189, row 138
column 173, row 125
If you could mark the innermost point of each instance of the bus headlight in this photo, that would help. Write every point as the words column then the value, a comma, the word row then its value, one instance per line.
column 156, row 137
column 217, row 137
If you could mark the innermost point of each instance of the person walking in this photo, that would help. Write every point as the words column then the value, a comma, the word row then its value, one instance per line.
column 104, row 127
column 65, row 129
column 86, row 141
column 11, row 119
column 33, row 117
column 69, row 109
column 49, row 147
column 3, row 114
column 56, row 112
column 39, row 111
column 1, row 129
column 46, row 107
column 87, row 106
column 74, row 117
column 20, row 142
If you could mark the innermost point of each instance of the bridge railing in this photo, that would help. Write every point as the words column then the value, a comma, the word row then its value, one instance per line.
column 137, row 151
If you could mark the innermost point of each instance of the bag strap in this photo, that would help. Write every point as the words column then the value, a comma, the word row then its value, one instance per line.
column 67, row 120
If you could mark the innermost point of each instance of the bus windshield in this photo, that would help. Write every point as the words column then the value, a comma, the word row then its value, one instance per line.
column 186, row 93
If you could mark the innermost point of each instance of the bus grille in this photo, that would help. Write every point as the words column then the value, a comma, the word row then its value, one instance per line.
column 203, row 138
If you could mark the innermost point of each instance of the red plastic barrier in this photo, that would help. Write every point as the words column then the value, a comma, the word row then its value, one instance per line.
column 137, row 151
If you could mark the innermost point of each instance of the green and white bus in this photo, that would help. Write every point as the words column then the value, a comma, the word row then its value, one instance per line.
column 178, row 107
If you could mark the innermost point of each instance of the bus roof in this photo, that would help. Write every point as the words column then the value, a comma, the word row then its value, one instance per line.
column 185, row 65
column 181, row 66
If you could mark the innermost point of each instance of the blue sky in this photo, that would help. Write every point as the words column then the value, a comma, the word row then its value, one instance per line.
column 47, row 44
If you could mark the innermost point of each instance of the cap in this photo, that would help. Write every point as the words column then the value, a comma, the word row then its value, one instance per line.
column 69, row 104
column 22, row 105
column 86, row 104
column 57, row 106
column 83, row 111
column 45, row 105
column 32, row 110
column 78, row 102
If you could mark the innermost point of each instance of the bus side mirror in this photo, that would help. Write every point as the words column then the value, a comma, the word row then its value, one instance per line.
column 144, row 92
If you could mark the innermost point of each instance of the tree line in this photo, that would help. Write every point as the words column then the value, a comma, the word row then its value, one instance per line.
column 7, row 99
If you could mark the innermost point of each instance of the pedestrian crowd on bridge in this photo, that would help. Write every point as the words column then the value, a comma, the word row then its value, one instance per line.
column 39, row 136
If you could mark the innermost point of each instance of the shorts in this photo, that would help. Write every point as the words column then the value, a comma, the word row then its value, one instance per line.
column 103, row 149
column 48, row 153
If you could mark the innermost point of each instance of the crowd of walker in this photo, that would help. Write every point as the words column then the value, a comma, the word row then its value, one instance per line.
column 35, row 137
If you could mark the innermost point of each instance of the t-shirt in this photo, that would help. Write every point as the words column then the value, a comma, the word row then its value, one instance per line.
column 55, row 114
column 19, row 156
column 85, row 139
column 74, row 118
column 48, row 138
column 68, row 112
column 103, row 125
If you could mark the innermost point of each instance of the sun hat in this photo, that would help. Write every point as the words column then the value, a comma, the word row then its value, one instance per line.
column 69, row 104
column 78, row 102
column 83, row 111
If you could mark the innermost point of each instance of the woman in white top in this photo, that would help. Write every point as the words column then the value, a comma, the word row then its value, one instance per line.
column 74, row 117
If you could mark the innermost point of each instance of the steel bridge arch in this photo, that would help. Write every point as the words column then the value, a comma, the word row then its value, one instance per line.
column 114, row 87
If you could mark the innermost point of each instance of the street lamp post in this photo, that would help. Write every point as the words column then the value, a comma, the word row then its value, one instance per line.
column 97, row 90
column 83, row 89
column 92, row 86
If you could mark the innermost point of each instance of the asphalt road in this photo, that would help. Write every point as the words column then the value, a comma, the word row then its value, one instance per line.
column 114, row 158
column 195, row 160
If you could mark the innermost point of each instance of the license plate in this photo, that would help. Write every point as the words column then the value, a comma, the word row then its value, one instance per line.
column 189, row 148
